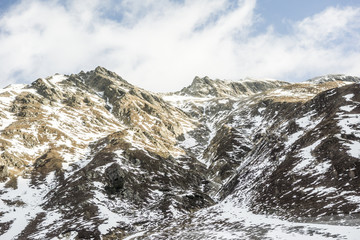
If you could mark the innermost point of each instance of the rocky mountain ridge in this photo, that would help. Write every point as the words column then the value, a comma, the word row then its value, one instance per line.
column 90, row 156
column 206, row 87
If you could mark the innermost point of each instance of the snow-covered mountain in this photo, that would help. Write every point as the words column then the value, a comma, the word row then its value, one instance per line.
column 90, row 156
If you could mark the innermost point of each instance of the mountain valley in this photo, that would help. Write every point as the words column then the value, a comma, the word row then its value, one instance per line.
column 91, row 156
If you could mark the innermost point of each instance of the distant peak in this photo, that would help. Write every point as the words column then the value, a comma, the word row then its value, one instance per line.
column 198, row 80
column 332, row 78
column 104, row 71
column 206, row 87
column 101, row 69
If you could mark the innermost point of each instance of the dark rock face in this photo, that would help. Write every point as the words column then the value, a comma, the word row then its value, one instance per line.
column 311, row 176
column 46, row 90
column 3, row 172
column 115, row 177
column 90, row 156
column 47, row 163
column 27, row 105
column 225, row 151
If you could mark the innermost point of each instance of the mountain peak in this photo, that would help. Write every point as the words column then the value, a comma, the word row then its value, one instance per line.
column 101, row 69
column 198, row 79
column 333, row 78
column 206, row 87
column 99, row 80
column 90, row 156
column 105, row 72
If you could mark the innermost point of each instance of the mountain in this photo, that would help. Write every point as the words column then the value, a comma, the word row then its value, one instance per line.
column 91, row 156
column 205, row 87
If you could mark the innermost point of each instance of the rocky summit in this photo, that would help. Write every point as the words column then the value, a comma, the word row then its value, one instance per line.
column 91, row 156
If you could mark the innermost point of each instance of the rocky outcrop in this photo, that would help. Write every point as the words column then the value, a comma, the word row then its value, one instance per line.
column 46, row 89
column 138, row 109
column 3, row 172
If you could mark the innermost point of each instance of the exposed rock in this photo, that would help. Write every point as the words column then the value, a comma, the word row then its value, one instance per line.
column 205, row 87
column 73, row 101
column 46, row 89
column 50, row 161
column 334, row 77
column 90, row 156
column 3, row 172
column 115, row 178
column 26, row 105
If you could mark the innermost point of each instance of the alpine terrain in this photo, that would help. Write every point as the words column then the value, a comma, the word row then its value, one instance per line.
column 91, row 156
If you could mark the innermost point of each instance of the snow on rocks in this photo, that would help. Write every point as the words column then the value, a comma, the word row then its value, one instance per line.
column 104, row 158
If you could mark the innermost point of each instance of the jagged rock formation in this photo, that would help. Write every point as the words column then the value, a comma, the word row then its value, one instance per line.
column 90, row 156
column 205, row 87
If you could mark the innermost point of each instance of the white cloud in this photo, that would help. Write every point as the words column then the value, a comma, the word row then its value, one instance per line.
column 161, row 45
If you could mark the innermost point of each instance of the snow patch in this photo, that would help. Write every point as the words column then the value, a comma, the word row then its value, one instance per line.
column 261, row 110
column 189, row 141
column 30, row 200
column 57, row 78
column 226, row 214
column 223, row 101
column 354, row 149
column 347, row 108
column 348, row 97
column 110, row 219
column 308, row 163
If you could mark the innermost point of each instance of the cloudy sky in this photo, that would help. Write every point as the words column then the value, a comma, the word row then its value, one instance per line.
column 161, row 45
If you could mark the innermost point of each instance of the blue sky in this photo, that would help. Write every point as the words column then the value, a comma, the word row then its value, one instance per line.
column 161, row 45
column 280, row 12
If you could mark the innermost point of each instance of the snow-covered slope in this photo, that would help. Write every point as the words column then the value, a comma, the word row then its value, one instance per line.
column 334, row 78
column 90, row 156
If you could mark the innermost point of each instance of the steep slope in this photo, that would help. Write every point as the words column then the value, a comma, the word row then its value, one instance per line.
column 90, row 156
column 293, row 152
column 305, row 164
column 83, row 140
